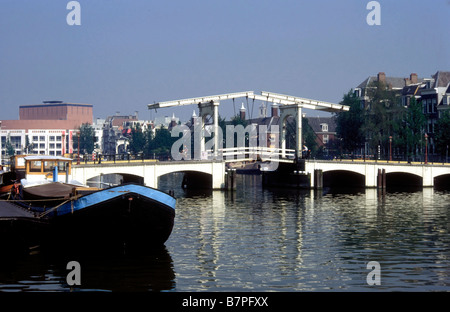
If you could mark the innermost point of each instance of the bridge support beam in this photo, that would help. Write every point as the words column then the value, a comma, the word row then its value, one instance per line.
column 427, row 176
column 371, row 176
column 294, row 110
column 211, row 109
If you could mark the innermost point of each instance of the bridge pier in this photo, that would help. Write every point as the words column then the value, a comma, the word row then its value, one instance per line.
column 230, row 179
column 381, row 178
column 318, row 179
column 427, row 176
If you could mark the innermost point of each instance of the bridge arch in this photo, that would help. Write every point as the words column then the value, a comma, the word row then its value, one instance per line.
column 163, row 170
column 190, row 179
column 149, row 172
column 84, row 174
column 200, row 177
column 399, row 179
column 105, row 180
column 343, row 178
column 442, row 181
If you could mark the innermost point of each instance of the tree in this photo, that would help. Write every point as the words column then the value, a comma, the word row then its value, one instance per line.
column 161, row 143
column 137, row 140
column 442, row 133
column 148, row 136
column 380, row 116
column 309, row 137
column 28, row 146
column 10, row 150
column 349, row 125
column 415, row 124
column 87, row 139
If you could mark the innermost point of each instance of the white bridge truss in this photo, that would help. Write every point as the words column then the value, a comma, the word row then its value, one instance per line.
column 289, row 106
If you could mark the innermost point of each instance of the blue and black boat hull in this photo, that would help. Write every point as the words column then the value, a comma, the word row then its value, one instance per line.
column 129, row 220
column 126, row 215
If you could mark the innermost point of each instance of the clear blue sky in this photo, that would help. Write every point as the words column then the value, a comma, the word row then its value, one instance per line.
column 127, row 54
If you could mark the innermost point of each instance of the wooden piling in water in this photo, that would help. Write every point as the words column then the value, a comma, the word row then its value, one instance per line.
column 318, row 179
column 230, row 179
column 381, row 178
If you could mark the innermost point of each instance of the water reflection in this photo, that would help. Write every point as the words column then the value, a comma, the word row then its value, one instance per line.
column 279, row 239
column 45, row 270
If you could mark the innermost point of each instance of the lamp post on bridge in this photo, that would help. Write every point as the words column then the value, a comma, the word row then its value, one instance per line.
column 426, row 148
column 78, row 161
column 390, row 148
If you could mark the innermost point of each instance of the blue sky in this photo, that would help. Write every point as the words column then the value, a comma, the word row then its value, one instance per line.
column 127, row 54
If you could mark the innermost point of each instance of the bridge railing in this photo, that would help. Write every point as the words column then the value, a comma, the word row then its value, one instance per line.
column 381, row 161
column 110, row 158
column 251, row 153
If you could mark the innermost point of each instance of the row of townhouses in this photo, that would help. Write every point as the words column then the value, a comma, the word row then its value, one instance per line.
column 433, row 93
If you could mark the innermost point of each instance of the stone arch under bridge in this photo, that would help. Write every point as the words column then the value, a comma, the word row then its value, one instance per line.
column 151, row 171
column 428, row 174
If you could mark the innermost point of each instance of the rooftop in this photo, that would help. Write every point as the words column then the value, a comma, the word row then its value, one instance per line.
column 393, row 82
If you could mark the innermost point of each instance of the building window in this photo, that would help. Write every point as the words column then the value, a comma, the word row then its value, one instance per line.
column 35, row 138
column 42, row 145
column 52, row 145
column 58, row 138
column 35, row 166
column 325, row 139
column 58, row 145
column 430, row 127
column 16, row 141
column 324, row 127
column 52, row 138
column 42, row 138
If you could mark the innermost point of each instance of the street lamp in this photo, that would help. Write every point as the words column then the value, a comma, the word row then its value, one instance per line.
column 426, row 148
column 390, row 148
column 78, row 161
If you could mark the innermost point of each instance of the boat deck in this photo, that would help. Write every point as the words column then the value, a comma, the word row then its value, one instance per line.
column 10, row 210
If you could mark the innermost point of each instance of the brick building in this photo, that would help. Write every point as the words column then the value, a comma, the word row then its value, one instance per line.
column 45, row 129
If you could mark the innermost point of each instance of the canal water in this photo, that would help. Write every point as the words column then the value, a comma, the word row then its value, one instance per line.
column 257, row 239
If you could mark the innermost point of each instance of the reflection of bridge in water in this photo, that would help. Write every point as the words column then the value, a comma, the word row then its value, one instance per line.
column 292, row 170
